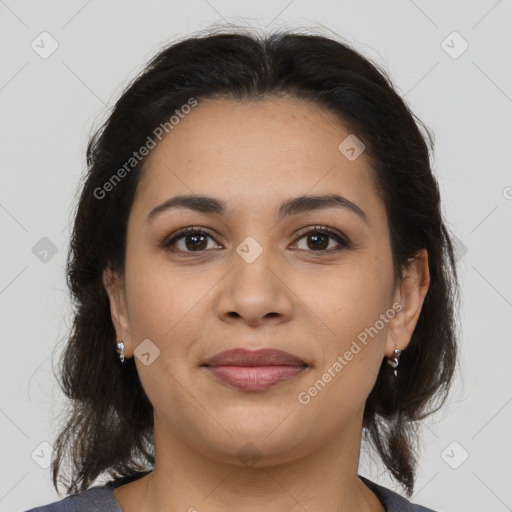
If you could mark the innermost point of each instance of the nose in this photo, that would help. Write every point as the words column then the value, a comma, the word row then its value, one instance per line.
column 256, row 292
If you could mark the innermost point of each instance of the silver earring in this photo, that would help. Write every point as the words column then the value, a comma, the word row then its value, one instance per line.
column 120, row 351
column 393, row 361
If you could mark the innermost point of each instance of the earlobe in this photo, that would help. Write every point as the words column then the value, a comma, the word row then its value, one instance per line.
column 410, row 293
column 113, row 284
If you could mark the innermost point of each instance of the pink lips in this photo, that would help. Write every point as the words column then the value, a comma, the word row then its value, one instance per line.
column 254, row 370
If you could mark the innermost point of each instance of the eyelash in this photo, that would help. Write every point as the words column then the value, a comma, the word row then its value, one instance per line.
column 338, row 237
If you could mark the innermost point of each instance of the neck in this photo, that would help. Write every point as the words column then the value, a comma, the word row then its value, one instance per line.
column 325, row 478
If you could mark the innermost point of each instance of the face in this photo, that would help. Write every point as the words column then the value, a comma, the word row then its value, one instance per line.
column 314, row 282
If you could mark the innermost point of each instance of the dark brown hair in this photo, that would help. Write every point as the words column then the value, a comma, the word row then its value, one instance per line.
column 107, row 433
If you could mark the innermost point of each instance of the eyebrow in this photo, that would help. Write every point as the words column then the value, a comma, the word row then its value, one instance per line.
column 292, row 206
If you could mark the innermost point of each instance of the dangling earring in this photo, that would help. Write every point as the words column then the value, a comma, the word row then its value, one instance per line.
column 393, row 361
column 120, row 351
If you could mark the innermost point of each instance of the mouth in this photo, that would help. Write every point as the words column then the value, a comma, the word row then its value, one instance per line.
column 251, row 370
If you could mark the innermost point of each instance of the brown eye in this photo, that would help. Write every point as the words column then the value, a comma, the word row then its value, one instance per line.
column 188, row 240
column 318, row 240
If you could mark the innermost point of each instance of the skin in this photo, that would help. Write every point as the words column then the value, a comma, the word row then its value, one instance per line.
column 253, row 155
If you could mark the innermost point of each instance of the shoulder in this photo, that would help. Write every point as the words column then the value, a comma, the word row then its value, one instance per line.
column 95, row 499
column 392, row 501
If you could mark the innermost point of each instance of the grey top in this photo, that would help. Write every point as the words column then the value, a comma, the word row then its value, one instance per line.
column 102, row 499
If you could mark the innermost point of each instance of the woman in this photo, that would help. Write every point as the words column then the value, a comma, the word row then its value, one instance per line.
column 259, row 237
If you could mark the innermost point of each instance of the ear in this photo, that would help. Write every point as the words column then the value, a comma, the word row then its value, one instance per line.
column 114, row 286
column 410, row 293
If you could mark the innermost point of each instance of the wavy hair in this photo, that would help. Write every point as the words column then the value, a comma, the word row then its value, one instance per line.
column 104, row 433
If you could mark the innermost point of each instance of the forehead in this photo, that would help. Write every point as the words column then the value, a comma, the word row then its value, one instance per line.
column 255, row 151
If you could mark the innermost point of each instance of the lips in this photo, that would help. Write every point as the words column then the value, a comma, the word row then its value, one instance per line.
column 251, row 370
column 262, row 357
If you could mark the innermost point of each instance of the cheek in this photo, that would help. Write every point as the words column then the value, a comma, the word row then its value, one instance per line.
column 351, row 342
column 165, row 304
column 352, row 299
column 150, row 289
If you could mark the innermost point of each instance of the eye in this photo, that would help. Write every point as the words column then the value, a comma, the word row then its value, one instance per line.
column 194, row 239
column 317, row 239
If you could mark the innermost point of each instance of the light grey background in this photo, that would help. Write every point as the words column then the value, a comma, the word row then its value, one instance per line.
column 48, row 106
